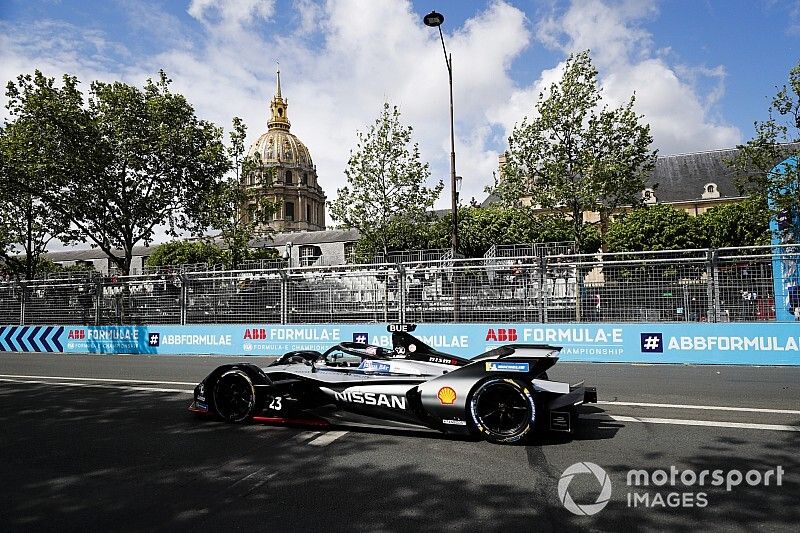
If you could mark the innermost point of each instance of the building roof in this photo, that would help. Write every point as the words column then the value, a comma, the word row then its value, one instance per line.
column 310, row 237
column 683, row 177
column 278, row 239
column 95, row 253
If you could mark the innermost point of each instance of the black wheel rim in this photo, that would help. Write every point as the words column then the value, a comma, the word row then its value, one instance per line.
column 502, row 409
column 234, row 397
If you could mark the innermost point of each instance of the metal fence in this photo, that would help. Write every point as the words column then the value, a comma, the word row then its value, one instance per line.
column 723, row 285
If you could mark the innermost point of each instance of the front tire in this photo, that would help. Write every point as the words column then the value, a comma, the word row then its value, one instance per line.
column 503, row 410
column 234, row 396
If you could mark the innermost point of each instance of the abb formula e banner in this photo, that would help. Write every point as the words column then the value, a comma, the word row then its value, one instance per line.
column 701, row 343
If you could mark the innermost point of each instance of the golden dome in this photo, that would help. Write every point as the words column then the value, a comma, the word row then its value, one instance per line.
column 280, row 146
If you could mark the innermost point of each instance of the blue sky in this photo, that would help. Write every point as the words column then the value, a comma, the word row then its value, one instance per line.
column 703, row 71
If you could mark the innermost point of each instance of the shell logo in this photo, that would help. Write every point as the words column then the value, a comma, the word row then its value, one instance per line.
column 447, row 396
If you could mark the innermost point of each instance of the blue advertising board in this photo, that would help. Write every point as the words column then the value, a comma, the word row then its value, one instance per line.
column 764, row 343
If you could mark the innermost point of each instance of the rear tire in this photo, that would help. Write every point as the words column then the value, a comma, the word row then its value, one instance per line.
column 234, row 396
column 502, row 410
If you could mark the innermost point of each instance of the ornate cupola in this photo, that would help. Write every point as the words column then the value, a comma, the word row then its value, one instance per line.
column 279, row 119
column 287, row 162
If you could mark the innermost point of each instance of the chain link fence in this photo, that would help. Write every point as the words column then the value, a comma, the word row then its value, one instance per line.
column 550, row 285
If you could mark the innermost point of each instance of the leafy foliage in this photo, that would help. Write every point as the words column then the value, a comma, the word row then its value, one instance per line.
column 774, row 141
column 655, row 227
column 478, row 230
column 239, row 207
column 186, row 253
column 385, row 181
column 571, row 158
column 27, row 225
column 404, row 233
column 744, row 223
column 121, row 165
column 183, row 252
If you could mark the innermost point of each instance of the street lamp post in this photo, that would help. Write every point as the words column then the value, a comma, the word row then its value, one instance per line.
column 435, row 20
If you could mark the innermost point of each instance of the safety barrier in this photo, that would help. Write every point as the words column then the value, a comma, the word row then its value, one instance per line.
column 700, row 343
column 686, row 286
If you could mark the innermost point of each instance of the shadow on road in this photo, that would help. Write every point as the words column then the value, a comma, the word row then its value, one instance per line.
column 106, row 459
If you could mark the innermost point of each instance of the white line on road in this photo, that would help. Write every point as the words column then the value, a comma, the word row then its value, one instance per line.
column 705, row 407
column 305, row 436
column 95, row 386
column 327, row 438
column 100, row 379
column 684, row 422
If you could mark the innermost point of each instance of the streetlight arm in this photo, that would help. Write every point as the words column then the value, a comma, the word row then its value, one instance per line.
column 447, row 59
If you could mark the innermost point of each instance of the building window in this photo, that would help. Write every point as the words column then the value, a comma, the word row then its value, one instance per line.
column 308, row 213
column 649, row 196
column 288, row 177
column 309, row 255
column 350, row 252
column 289, row 211
column 305, row 178
column 711, row 191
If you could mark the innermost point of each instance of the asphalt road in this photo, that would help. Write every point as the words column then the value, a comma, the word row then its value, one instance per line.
column 105, row 443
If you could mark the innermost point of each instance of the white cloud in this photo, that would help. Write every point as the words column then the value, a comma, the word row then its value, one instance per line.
column 677, row 116
column 338, row 66
column 669, row 97
column 231, row 13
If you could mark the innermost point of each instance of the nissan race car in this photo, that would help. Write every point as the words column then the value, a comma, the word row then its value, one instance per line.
column 501, row 395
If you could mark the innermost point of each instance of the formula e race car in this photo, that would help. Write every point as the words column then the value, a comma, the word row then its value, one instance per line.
column 501, row 395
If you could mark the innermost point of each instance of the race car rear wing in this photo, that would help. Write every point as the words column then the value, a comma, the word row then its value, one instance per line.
column 407, row 346
column 410, row 347
column 526, row 351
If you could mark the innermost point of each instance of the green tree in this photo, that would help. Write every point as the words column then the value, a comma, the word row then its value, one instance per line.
column 403, row 233
column 480, row 228
column 744, row 223
column 572, row 158
column 655, row 227
column 121, row 165
column 27, row 225
column 239, row 207
column 775, row 140
column 181, row 252
column 385, row 180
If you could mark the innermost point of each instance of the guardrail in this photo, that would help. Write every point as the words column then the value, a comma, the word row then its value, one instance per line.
column 723, row 285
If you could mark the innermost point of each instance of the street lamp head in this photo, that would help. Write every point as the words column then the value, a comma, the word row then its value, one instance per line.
column 433, row 19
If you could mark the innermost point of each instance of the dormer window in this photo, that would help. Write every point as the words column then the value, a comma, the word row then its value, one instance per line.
column 649, row 196
column 710, row 191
